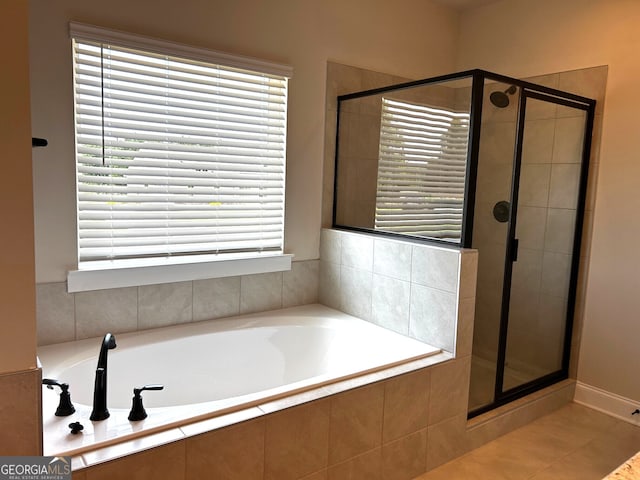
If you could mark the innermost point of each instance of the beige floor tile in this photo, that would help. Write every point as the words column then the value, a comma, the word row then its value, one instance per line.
column 470, row 467
column 572, row 443
column 322, row 475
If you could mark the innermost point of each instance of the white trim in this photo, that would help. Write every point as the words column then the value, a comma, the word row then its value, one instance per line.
column 117, row 37
column 607, row 402
column 131, row 273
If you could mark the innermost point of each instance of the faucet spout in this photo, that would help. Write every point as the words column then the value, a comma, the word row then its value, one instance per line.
column 100, row 410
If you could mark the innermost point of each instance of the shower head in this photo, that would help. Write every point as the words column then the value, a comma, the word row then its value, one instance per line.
column 501, row 99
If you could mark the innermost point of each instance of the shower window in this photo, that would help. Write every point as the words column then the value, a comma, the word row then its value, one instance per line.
column 421, row 170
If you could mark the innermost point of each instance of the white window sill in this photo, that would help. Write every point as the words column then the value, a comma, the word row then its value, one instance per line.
column 131, row 273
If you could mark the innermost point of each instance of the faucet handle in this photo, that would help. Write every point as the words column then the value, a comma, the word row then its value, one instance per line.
column 65, row 407
column 137, row 409
column 151, row 386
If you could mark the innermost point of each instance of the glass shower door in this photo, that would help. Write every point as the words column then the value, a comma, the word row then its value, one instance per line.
column 542, row 250
column 490, row 236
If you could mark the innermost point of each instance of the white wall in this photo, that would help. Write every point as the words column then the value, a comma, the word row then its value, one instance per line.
column 411, row 38
column 523, row 38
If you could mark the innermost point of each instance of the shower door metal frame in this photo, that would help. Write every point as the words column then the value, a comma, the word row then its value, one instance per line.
column 531, row 90
column 537, row 92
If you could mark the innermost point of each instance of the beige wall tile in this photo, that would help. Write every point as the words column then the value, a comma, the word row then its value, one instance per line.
column 559, row 231
column 356, row 422
column 300, row 284
column 497, row 134
column 540, row 109
column 356, row 286
column 390, row 303
column 216, row 298
column 565, row 181
column 406, row 404
column 405, row 458
column 357, row 251
column 527, row 272
column 330, row 245
column 235, row 452
column 569, row 138
column 55, row 314
column 556, row 271
column 435, row 267
column 166, row 462
column 114, row 310
column 537, row 146
column 367, row 466
column 534, row 185
column 449, row 389
column 493, row 183
column 530, row 227
column 260, row 292
column 297, row 441
column 432, row 316
column 468, row 275
column 165, row 304
column 392, row 259
column 464, row 335
column 329, row 285
column 447, row 440
column 21, row 432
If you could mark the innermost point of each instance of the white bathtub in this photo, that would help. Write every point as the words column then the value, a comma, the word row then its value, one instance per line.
column 214, row 367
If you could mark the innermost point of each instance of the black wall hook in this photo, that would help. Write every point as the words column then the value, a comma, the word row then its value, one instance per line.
column 39, row 142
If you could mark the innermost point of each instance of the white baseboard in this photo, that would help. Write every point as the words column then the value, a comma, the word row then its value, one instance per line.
column 607, row 402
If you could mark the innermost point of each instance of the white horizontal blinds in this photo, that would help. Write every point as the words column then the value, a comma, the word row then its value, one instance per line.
column 421, row 170
column 176, row 156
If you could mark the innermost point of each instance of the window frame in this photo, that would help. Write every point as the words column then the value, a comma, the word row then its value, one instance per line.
column 100, row 274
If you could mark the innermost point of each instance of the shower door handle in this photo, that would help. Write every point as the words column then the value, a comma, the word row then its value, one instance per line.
column 514, row 249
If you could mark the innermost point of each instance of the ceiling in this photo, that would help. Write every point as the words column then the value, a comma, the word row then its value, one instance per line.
column 465, row 4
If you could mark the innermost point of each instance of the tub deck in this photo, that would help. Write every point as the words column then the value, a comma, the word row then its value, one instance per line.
column 170, row 422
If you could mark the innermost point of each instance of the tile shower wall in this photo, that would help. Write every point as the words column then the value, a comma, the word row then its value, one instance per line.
column 64, row 317
column 418, row 290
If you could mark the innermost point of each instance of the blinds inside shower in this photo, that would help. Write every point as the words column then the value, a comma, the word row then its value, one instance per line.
column 421, row 170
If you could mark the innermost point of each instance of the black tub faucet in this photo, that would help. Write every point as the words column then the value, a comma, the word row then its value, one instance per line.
column 100, row 411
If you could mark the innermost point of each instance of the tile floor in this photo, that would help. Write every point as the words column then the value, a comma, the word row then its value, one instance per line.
column 573, row 443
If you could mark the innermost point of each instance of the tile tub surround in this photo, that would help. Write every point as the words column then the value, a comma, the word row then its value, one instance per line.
column 216, row 367
column 421, row 290
column 385, row 430
column 21, row 432
column 64, row 317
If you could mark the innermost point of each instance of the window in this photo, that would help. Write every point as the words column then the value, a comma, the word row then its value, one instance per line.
column 179, row 151
column 421, row 170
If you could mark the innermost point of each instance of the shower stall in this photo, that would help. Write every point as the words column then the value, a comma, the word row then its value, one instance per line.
column 480, row 160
